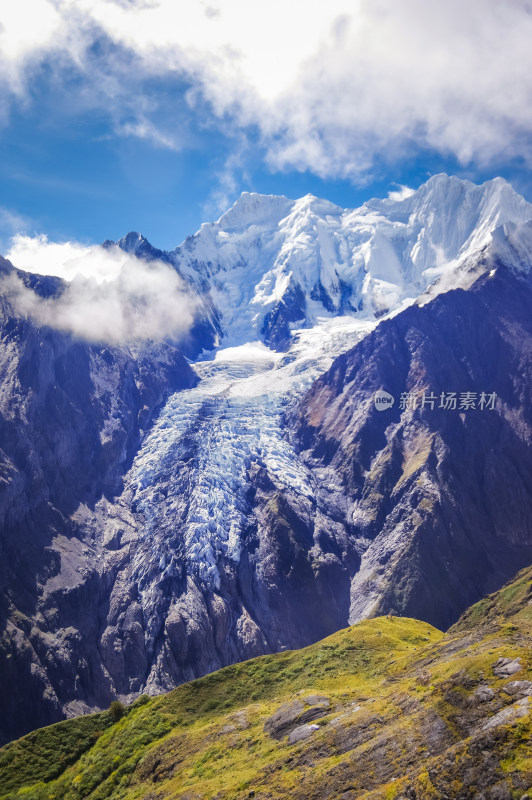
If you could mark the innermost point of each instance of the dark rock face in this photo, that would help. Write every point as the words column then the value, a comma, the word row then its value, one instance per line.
column 276, row 327
column 137, row 244
column 438, row 499
column 71, row 418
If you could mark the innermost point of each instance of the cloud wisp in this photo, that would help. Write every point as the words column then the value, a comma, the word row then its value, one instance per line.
column 108, row 295
column 331, row 87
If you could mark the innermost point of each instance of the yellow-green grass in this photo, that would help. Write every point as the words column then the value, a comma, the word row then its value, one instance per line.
column 206, row 739
column 348, row 663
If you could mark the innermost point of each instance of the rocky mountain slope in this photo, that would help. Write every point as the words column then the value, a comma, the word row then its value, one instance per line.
column 152, row 535
column 387, row 709
column 72, row 415
column 436, row 488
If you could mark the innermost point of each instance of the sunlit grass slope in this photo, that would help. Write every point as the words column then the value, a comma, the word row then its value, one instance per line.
column 387, row 708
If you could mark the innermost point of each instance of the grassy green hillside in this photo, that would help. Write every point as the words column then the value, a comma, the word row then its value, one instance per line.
column 389, row 708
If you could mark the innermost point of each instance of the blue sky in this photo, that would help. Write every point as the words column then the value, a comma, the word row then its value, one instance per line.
column 152, row 115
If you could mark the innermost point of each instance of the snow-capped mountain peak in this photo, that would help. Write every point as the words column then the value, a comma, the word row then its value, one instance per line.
column 272, row 268
column 512, row 245
column 301, row 260
column 254, row 209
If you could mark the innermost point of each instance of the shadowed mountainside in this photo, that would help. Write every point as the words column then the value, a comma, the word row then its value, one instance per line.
column 437, row 498
column 72, row 415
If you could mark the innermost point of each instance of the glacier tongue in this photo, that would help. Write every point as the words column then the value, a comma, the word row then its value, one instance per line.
column 190, row 477
column 189, row 480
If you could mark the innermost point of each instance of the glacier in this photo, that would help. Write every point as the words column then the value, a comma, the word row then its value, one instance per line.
column 352, row 269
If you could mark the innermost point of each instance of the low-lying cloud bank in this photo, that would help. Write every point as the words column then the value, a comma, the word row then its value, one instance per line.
column 108, row 295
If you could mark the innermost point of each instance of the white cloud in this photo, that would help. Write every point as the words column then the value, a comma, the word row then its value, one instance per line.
column 66, row 259
column 414, row 73
column 332, row 87
column 144, row 129
column 400, row 194
column 27, row 28
column 110, row 296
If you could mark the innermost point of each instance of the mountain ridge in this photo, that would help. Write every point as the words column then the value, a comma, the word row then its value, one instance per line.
column 311, row 258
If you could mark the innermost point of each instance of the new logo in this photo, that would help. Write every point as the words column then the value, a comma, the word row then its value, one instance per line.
column 383, row 400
